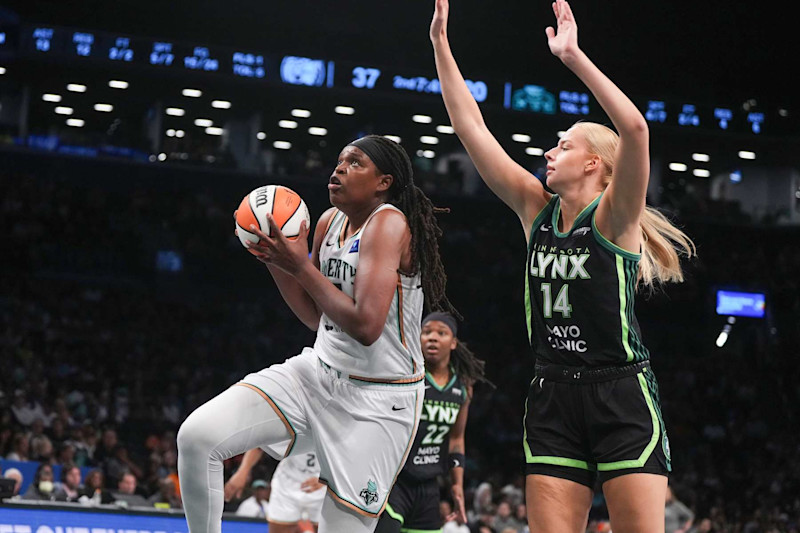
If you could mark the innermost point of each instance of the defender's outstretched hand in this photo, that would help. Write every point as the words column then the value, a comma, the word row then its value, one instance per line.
column 439, row 22
column 563, row 42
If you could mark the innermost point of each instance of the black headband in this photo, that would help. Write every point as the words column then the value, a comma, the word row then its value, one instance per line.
column 379, row 150
column 446, row 318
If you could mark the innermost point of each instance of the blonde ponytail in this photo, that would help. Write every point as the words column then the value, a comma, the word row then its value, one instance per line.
column 662, row 243
column 662, row 247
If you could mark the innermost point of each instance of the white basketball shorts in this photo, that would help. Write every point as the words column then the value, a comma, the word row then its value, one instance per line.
column 361, row 431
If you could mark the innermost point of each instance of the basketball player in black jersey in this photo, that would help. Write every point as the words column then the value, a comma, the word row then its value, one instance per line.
column 593, row 409
column 451, row 370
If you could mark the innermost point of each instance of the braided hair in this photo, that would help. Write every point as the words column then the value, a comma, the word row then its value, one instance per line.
column 391, row 158
column 470, row 368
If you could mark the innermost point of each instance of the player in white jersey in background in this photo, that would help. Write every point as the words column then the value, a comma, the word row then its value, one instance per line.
column 355, row 397
column 296, row 499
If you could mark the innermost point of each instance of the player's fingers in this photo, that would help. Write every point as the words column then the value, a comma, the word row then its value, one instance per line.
column 257, row 231
column 568, row 11
column 274, row 229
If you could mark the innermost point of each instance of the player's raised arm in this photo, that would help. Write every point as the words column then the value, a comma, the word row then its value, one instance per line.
column 517, row 187
column 624, row 200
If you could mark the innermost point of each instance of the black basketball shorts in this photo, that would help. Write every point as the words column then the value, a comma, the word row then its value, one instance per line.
column 413, row 506
column 585, row 424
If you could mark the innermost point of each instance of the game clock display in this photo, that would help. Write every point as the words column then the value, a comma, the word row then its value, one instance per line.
column 533, row 97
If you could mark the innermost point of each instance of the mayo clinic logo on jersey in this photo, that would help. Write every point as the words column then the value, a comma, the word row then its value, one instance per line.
column 370, row 494
column 354, row 248
column 566, row 338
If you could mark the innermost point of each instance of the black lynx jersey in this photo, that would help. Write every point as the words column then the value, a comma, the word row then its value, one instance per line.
column 428, row 457
column 579, row 291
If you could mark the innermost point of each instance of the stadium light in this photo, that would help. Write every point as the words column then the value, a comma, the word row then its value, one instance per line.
column 118, row 84
column 745, row 154
column 104, row 108
column 75, row 122
column 76, row 88
column 429, row 139
column 422, row 119
column 521, row 138
column 55, row 98
column 179, row 133
column 678, row 167
column 701, row 158
column 301, row 113
column 394, row 138
column 319, row 132
column 192, row 93
column 532, row 150
column 443, row 128
column 211, row 130
column 170, row 133
column 2, row 70
column 62, row 110
column 287, row 124
column 344, row 110
column 204, row 122
column 261, row 135
column 221, row 104
column 701, row 173
column 429, row 154
column 282, row 145
column 175, row 111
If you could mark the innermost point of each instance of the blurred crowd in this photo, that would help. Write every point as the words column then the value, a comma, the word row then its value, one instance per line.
column 106, row 349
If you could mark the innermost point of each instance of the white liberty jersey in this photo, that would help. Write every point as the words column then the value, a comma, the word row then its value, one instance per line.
column 396, row 357
column 295, row 469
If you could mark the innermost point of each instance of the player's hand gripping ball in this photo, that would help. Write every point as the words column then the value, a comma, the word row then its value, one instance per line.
column 286, row 207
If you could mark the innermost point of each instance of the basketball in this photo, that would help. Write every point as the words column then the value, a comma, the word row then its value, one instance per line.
column 285, row 206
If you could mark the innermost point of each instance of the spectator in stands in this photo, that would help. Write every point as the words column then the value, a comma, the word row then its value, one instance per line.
column 504, row 520
column 84, row 440
column 42, row 487
column 521, row 514
column 20, row 448
column 42, row 449
column 16, row 475
column 70, row 487
column 678, row 518
column 58, row 432
column 256, row 505
column 26, row 410
column 166, row 497
column 65, row 453
column 485, row 519
column 94, row 490
column 126, row 492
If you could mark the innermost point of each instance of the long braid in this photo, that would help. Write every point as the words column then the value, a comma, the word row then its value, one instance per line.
column 425, row 232
column 420, row 214
column 470, row 368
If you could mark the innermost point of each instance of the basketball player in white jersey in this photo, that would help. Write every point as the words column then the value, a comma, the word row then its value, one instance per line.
column 355, row 397
column 297, row 494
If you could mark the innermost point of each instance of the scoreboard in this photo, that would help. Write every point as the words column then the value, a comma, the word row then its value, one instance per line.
column 535, row 97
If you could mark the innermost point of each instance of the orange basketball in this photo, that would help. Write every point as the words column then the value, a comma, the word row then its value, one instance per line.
column 285, row 206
